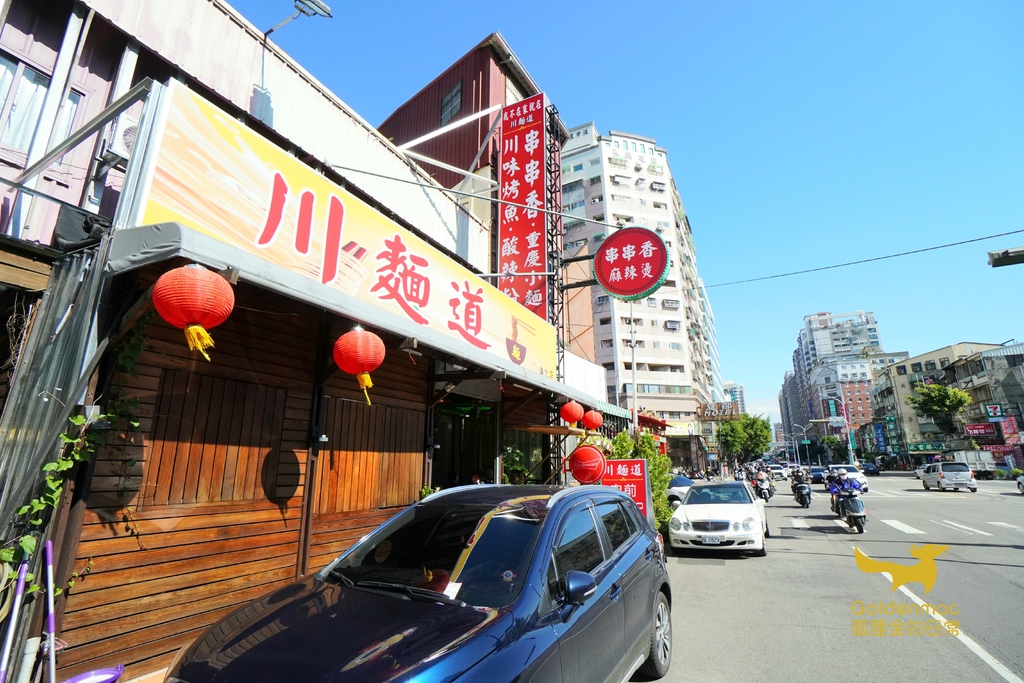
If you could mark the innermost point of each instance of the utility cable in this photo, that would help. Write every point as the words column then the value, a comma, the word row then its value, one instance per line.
column 867, row 260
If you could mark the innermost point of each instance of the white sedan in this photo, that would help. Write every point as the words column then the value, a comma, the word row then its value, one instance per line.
column 1020, row 483
column 723, row 516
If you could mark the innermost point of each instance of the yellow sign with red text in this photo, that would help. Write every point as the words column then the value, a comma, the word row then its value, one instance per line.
column 215, row 176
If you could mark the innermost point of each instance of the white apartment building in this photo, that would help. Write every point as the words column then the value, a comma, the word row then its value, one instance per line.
column 734, row 393
column 619, row 179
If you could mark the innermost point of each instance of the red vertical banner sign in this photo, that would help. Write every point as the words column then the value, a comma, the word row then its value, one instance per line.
column 522, row 181
column 630, row 476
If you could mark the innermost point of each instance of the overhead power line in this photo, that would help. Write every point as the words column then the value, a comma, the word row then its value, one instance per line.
column 866, row 260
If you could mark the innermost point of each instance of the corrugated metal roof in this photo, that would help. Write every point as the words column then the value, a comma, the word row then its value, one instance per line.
column 1013, row 350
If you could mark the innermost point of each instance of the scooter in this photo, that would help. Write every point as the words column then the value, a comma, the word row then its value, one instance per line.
column 850, row 509
column 764, row 489
column 802, row 494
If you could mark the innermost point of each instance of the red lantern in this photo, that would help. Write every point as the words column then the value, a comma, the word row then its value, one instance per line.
column 359, row 353
column 592, row 419
column 571, row 412
column 194, row 299
column 586, row 464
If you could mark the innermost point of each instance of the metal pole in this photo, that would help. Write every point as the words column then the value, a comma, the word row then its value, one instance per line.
column 632, row 344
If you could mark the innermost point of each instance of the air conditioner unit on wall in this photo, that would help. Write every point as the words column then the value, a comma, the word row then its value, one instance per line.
column 123, row 138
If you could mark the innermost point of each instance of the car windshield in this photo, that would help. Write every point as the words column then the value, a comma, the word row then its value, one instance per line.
column 680, row 481
column 817, row 469
column 477, row 554
column 717, row 495
column 955, row 467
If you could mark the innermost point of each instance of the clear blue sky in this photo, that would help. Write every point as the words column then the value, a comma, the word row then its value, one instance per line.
column 799, row 134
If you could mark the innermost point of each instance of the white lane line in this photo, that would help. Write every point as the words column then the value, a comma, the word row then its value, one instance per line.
column 969, row 642
column 797, row 523
column 960, row 527
column 900, row 526
column 1008, row 526
column 879, row 494
column 842, row 524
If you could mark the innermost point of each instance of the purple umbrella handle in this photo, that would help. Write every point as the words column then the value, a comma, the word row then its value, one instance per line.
column 51, row 619
column 12, row 624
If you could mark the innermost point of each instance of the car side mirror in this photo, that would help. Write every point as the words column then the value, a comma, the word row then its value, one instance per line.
column 579, row 586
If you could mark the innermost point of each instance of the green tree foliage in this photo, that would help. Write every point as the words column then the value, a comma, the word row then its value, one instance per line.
column 757, row 436
column 840, row 451
column 659, row 469
column 730, row 439
column 941, row 403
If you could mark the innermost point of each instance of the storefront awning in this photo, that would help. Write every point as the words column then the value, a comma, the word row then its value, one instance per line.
column 133, row 248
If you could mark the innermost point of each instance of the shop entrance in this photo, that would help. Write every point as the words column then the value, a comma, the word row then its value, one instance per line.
column 465, row 436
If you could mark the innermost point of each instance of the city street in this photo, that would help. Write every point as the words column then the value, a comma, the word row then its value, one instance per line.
column 802, row 613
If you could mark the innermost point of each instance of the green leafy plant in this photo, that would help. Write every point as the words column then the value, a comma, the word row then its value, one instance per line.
column 426, row 490
column 659, row 469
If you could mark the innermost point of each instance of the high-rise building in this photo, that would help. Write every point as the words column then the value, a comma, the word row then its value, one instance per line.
column 734, row 393
column 666, row 340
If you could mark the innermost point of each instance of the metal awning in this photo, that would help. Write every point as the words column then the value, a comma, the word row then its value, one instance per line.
column 133, row 248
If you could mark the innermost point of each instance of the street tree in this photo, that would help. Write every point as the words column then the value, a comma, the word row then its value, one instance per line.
column 757, row 436
column 839, row 450
column 730, row 440
column 943, row 404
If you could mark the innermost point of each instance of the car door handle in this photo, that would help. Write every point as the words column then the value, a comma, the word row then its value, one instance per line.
column 615, row 592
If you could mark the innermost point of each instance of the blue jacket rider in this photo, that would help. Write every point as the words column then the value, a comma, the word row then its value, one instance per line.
column 842, row 483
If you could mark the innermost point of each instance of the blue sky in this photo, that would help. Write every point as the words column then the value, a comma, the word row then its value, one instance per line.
column 800, row 135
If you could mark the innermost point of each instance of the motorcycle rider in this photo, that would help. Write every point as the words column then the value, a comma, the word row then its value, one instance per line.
column 842, row 482
column 798, row 478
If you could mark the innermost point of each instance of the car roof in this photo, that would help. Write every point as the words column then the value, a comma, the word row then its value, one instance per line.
column 497, row 494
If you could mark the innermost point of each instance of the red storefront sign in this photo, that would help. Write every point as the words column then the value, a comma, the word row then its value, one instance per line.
column 629, row 476
column 1011, row 434
column 631, row 263
column 987, row 429
column 1008, row 448
column 522, row 180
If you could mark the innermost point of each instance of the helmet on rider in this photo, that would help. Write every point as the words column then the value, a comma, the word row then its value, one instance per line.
column 842, row 474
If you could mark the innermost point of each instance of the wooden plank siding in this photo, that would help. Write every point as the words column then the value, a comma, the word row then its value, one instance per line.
column 201, row 510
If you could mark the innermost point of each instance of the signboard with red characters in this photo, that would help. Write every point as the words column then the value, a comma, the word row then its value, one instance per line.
column 986, row 429
column 631, row 263
column 630, row 476
column 522, row 181
column 1011, row 434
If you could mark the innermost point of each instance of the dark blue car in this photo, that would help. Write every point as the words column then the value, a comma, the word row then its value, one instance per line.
column 477, row 583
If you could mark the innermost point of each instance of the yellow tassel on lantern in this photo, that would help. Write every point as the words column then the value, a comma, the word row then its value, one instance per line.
column 198, row 339
column 365, row 383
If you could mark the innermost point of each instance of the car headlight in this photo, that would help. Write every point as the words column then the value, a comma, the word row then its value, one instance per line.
column 686, row 525
column 674, row 524
column 735, row 526
column 748, row 524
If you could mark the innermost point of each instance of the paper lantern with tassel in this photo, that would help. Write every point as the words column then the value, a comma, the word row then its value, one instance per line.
column 194, row 299
column 571, row 412
column 359, row 353
column 592, row 419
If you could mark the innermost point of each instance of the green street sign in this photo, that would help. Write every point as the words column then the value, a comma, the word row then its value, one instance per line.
column 805, row 441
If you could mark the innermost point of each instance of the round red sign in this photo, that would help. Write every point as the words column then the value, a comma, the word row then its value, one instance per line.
column 587, row 464
column 631, row 263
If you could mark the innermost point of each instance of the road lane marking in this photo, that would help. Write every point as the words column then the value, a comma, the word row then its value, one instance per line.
column 900, row 526
column 1008, row 526
column 798, row 523
column 841, row 523
column 960, row 527
column 969, row 642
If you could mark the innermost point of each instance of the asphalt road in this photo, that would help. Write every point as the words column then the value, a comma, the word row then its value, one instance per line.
column 800, row 614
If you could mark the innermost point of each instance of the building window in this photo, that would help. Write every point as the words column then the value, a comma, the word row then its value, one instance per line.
column 901, row 369
column 915, row 367
column 929, row 365
column 595, row 180
column 943, row 362
column 21, row 101
column 652, row 301
column 606, row 343
column 601, row 300
column 595, row 162
column 577, row 167
column 604, row 321
column 451, row 103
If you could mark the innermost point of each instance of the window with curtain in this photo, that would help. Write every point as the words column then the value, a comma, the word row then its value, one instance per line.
column 22, row 90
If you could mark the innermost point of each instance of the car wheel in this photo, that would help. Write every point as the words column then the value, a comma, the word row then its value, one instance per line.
column 924, row 484
column 974, row 490
column 763, row 552
column 1020, row 486
column 941, row 488
column 659, row 658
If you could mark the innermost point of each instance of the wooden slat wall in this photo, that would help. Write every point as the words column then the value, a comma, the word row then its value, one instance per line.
column 200, row 510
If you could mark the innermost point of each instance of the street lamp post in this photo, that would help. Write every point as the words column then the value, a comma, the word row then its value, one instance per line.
column 846, row 424
column 803, row 430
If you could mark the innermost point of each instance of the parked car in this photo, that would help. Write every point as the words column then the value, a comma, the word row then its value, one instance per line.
column 1020, row 483
column 871, row 468
column 724, row 516
column 920, row 470
column 677, row 488
column 778, row 471
column 949, row 475
column 853, row 473
column 472, row 583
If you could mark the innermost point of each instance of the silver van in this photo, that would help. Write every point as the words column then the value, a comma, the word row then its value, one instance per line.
column 949, row 475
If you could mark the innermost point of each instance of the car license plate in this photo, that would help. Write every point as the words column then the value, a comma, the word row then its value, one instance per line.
column 711, row 540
